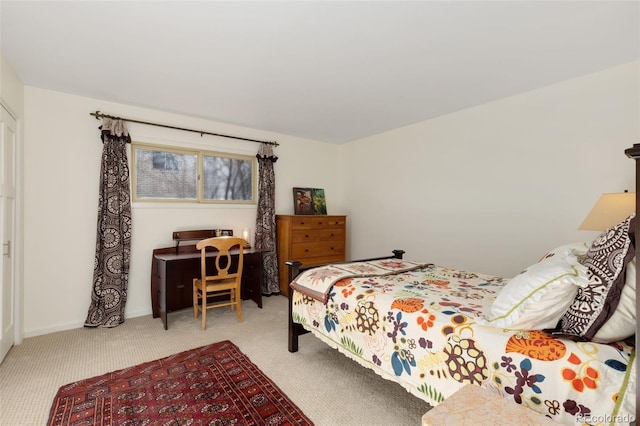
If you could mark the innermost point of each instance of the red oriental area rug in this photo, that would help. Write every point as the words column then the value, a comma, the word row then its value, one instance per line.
column 211, row 385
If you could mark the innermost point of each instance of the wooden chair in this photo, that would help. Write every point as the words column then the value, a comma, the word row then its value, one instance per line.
column 222, row 283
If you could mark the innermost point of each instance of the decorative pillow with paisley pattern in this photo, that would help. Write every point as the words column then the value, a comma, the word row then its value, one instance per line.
column 606, row 261
column 622, row 323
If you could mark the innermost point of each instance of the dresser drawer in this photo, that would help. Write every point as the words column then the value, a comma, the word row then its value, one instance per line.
column 312, row 235
column 317, row 222
column 332, row 234
column 317, row 249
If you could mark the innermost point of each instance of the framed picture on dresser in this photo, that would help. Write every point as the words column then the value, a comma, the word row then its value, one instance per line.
column 309, row 201
column 302, row 200
column 319, row 202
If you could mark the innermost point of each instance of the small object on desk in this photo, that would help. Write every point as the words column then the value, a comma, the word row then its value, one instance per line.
column 245, row 235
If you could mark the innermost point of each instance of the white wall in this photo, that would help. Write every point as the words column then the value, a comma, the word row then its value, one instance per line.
column 487, row 189
column 490, row 188
column 62, row 163
column 11, row 88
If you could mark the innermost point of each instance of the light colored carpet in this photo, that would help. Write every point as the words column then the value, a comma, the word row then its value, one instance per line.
column 329, row 388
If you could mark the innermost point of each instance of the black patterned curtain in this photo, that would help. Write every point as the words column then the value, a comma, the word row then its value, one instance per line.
column 113, row 240
column 266, row 219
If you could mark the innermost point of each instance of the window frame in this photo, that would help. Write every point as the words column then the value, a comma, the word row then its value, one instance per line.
column 200, row 154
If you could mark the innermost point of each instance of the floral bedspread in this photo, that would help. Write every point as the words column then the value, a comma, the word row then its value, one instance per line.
column 418, row 328
column 318, row 282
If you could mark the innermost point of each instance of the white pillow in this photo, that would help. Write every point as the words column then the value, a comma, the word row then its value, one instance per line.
column 579, row 249
column 622, row 323
column 537, row 298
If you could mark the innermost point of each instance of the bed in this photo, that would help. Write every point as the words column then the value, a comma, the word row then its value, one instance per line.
column 559, row 338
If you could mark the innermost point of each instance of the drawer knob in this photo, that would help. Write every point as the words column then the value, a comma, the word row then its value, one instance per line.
column 306, row 236
column 306, row 250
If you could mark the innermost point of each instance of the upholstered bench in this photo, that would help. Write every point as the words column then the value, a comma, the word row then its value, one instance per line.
column 473, row 405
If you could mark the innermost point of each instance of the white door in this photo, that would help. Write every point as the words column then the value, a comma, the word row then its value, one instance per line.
column 7, row 232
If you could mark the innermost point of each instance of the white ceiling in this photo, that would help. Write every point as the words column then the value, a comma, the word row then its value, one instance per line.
column 329, row 71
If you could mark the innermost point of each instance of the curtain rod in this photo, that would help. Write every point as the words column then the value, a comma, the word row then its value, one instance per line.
column 98, row 115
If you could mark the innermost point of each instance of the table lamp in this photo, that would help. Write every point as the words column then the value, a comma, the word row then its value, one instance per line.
column 610, row 209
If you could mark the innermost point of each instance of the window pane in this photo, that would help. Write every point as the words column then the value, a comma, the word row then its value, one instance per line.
column 166, row 175
column 164, row 160
column 226, row 178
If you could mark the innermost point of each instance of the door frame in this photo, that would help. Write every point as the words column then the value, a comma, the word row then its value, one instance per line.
column 18, row 232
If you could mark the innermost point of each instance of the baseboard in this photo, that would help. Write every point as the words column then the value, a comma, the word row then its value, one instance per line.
column 75, row 324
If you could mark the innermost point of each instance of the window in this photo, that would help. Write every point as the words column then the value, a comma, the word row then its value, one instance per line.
column 168, row 174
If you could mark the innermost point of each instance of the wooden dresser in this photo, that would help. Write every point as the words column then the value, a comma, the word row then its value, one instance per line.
column 311, row 240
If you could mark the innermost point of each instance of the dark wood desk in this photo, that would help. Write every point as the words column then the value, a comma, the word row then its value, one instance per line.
column 174, row 268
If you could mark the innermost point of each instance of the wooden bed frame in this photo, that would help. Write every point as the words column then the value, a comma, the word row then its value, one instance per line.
column 295, row 267
column 634, row 153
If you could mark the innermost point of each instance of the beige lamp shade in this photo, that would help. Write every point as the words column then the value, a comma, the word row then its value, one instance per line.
column 609, row 210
